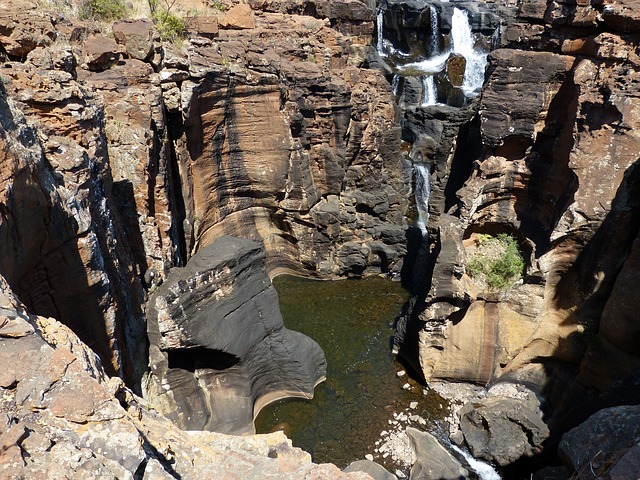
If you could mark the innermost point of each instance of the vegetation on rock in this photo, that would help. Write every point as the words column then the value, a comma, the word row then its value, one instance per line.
column 496, row 261
column 171, row 26
column 103, row 9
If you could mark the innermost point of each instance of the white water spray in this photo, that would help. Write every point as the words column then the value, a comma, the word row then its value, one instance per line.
column 435, row 32
column 429, row 94
column 380, row 38
column 395, row 82
column 483, row 470
column 422, row 192
column 463, row 43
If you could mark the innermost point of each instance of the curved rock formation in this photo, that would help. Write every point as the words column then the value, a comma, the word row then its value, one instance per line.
column 218, row 348
column 293, row 143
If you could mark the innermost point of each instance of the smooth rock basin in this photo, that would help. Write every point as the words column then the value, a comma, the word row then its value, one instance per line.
column 352, row 320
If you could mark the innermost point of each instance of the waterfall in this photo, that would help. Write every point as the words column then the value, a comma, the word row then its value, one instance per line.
column 422, row 192
column 435, row 33
column 395, row 82
column 380, row 38
column 463, row 42
column 429, row 96
column 495, row 38
column 483, row 470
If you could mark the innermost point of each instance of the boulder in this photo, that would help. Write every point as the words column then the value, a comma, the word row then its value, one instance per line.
column 604, row 436
column 218, row 348
column 22, row 31
column 101, row 52
column 433, row 460
column 238, row 17
column 137, row 36
column 376, row 471
column 502, row 429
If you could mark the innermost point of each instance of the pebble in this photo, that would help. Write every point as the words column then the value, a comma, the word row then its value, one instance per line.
column 413, row 405
column 401, row 373
column 406, row 386
column 369, row 457
column 400, row 474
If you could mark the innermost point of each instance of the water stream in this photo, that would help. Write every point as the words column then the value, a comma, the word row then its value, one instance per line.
column 422, row 193
column 352, row 320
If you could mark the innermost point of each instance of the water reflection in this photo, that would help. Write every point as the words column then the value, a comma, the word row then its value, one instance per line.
column 352, row 320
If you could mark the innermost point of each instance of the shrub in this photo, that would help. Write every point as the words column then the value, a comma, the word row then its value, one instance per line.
column 171, row 27
column 496, row 260
column 103, row 9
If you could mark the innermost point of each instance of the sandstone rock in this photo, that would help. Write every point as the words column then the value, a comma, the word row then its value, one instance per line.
column 219, row 350
column 516, row 96
column 67, row 421
column 238, row 17
column 604, row 435
column 137, row 36
column 433, row 460
column 21, row 31
column 276, row 175
column 205, row 25
column 376, row 471
column 502, row 430
column 101, row 52
column 72, row 220
column 455, row 68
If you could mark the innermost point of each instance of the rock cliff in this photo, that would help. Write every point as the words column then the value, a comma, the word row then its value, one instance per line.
column 64, row 418
column 127, row 163
column 554, row 168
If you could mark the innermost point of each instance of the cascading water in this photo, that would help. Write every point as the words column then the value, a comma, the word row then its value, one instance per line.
column 380, row 33
column 422, row 192
column 463, row 43
column 435, row 31
column 429, row 95
column 483, row 470
column 394, row 84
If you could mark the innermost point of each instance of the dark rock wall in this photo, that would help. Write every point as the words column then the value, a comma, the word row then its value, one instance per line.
column 219, row 350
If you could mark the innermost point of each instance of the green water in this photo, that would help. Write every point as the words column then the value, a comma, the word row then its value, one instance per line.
column 352, row 320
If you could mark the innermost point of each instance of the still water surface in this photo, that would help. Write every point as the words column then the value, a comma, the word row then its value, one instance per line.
column 352, row 320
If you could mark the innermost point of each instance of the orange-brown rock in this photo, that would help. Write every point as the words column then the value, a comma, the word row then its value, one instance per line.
column 68, row 257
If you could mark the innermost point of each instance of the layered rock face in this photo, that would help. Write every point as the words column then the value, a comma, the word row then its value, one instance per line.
column 132, row 157
column 62, row 247
column 557, row 124
column 286, row 139
column 218, row 348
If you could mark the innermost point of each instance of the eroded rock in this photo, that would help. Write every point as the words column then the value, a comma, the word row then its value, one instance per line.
column 219, row 350
column 502, row 430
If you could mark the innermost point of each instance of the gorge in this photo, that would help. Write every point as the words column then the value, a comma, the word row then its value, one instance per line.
column 150, row 190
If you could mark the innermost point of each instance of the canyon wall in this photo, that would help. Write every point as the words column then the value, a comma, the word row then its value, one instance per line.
column 555, row 168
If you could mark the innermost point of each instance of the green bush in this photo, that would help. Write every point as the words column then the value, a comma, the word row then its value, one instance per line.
column 103, row 9
column 498, row 260
column 170, row 27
